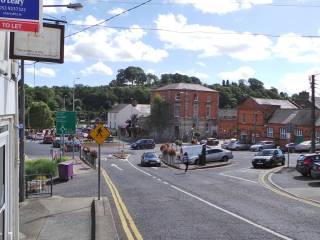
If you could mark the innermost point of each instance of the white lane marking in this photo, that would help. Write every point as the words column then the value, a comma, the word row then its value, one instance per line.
column 116, row 166
column 165, row 183
column 159, row 179
column 148, row 174
column 154, row 167
column 154, row 177
column 239, row 178
column 233, row 214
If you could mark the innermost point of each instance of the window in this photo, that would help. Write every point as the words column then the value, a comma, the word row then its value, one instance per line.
column 208, row 99
column 195, row 98
column 208, row 111
column 207, row 127
column 255, row 117
column 178, row 97
column 244, row 118
column 270, row 132
column 195, row 110
column 283, row 133
column 177, row 110
column 298, row 133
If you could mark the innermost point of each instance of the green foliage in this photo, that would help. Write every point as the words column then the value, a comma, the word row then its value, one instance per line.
column 60, row 160
column 39, row 116
column 41, row 166
column 159, row 117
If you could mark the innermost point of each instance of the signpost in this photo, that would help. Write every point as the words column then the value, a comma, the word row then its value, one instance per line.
column 21, row 15
column 100, row 134
column 65, row 125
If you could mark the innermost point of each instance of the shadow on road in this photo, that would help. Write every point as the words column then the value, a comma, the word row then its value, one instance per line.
column 314, row 184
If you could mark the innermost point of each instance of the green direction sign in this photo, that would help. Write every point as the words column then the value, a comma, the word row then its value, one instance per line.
column 66, row 123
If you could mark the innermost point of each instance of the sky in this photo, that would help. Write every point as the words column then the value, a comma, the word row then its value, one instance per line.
column 275, row 41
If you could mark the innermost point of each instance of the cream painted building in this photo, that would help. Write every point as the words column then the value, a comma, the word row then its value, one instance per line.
column 9, row 152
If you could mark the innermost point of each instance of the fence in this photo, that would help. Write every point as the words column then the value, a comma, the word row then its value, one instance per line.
column 87, row 157
column 39, row 185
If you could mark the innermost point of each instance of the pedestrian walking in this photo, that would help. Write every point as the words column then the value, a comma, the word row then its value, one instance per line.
column 186, row 161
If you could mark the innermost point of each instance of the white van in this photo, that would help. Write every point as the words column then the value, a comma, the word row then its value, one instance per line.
column 193, row 152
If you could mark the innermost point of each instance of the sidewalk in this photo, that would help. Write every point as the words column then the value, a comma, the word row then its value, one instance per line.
column 291, row 181
column 66, row 215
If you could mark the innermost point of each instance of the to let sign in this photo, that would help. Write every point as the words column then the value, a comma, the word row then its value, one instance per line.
column 21, row 15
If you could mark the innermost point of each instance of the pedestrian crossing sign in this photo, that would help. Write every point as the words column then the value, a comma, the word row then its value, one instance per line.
column 100, row 133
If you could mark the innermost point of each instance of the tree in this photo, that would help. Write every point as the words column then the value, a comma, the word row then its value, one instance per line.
column 160, row 114
column 39, row 116
column 134, row 75
column 255, row 84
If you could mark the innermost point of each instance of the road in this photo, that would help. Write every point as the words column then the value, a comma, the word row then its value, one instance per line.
column 221, row 203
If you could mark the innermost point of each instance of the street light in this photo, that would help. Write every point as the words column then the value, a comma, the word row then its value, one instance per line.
column 74, row 6
column 74, row 87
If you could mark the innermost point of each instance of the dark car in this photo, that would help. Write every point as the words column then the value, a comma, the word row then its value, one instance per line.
column 304, row 163
column 150, row 159
column 48, row 139
column 56, row 143
column 143, row 144
column 268, row 158
column 315, row 170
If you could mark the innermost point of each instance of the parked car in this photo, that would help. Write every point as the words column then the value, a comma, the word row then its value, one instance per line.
column 315, row 170
column 228, row 142
column 48, row 139
column 143, row 143
column 304, row 163
column 150, row 159
column 305, row 146
column 262, row 145
column 218, row 154
column 238, row 146
column 39, row 136
column 268, row 158
column 289, row 147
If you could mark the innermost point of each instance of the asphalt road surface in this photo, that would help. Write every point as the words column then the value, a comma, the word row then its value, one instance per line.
column 220, row 203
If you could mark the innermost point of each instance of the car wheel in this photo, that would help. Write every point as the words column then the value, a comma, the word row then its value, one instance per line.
column 282, row 162
column 254, row 165
column 305, row 174
column 260, row 149
column 237, row 149
column 225, row 159
column 196, row 162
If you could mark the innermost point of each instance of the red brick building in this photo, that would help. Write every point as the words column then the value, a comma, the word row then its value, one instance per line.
column 193, row 108
column 253, row 115
column 297, row 122
column 227, row 123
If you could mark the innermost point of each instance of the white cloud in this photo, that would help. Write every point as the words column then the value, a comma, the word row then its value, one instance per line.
column 89, row 20
column 116, row 11
column 106, row 44
column 54, row 10
column 42, row 72
column 221, row 6
column 193, row 73
column 297, row 49
column 241, row 73
column 212, row 41
column 98, row 68
column 152, row 71
column 202, row 64
column 296, row 82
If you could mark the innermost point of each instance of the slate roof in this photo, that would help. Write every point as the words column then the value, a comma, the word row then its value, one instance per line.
column 118, row 108
column 185, row 86
column 285, row 104
column 297, row 117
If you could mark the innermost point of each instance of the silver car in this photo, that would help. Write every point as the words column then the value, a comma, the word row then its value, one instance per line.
column 262, row 145
column 218, row 154
column 150, row 159
column 305, row 146
column 238, row 146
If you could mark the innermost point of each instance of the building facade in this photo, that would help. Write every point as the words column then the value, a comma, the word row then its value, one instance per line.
column 193, row 109
column 227, row 123
column 120, row 113
column 253, row 115
column 9, row 151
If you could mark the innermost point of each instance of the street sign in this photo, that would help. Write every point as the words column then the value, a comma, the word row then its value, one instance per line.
column 100, row 134
column 66, row 123
column 21, row 15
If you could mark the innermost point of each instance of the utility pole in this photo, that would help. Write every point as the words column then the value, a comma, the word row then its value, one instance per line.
column 21, row 134
column 313, row 115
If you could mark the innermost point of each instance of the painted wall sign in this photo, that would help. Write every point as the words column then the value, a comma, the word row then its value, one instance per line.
column 21, row 15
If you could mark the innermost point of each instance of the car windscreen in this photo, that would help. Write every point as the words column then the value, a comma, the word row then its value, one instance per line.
column 265, row 153
column 150, row 155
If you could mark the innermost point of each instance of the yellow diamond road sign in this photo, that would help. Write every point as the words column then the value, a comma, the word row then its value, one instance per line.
column 100, row 134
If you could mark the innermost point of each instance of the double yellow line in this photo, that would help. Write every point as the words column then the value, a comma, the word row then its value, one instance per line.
column 127, row 222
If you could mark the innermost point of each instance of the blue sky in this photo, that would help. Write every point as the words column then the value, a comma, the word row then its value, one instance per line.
column 209, row 39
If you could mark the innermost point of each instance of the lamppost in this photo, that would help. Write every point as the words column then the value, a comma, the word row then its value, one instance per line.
column 74, row 87
column 74, row 6
column 64, row 102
